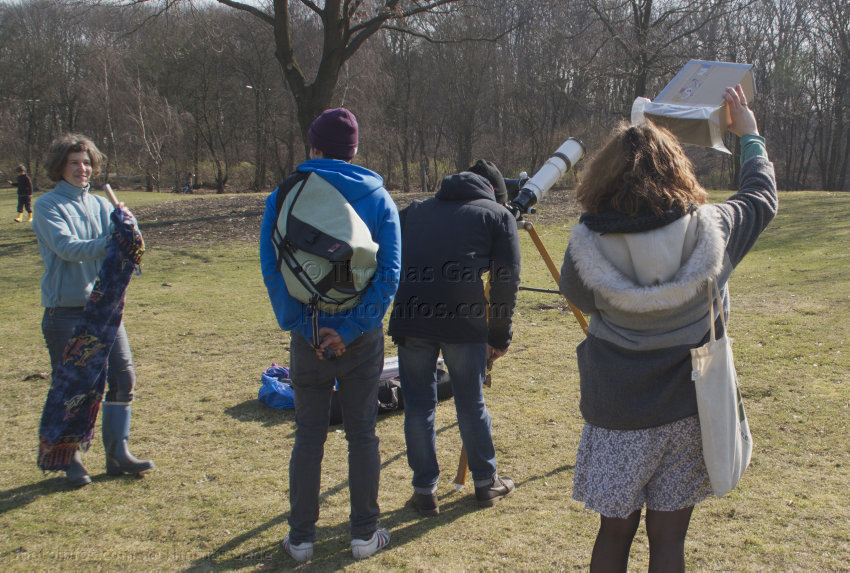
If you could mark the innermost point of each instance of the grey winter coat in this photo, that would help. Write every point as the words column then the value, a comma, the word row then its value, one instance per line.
column 646, row 296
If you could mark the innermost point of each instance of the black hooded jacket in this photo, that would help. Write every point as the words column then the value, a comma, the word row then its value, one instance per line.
column 448, row 242
column 24, row 185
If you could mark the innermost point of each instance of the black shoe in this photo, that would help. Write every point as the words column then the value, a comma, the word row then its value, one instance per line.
column 425, row 504
column 488, row 495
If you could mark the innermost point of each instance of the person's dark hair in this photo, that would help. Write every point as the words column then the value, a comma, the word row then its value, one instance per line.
column 63, row 146
column 640, row 168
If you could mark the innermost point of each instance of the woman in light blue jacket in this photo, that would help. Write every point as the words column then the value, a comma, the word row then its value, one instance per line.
column 73, row 227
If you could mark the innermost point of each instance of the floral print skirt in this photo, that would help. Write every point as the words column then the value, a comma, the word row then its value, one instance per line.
column 619, row 471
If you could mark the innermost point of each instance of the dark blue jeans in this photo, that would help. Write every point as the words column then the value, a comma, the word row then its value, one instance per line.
column 356, row 372
column 467, row 366
column 57, row 326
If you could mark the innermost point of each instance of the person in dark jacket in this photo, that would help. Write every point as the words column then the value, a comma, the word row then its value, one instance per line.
column 448, row 243
column 639, row 263
column 24, row 186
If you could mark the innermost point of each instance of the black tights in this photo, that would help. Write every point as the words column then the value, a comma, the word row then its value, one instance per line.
column 666, row 531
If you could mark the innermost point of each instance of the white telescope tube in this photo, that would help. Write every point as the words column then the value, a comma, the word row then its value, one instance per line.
column 556, row 167
column 570, row 152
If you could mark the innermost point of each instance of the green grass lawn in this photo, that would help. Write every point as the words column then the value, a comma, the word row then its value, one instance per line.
column 202, row 332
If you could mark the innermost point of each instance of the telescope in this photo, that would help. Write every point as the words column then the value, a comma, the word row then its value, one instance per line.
column 524, row 193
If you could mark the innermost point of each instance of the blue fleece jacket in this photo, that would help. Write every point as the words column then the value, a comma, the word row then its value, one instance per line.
column 365, row 191
column 72, row 227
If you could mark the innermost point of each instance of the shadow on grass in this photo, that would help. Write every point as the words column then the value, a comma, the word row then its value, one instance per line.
column 21, row 496
column 270, row 553
column 189, row 255
column 14, row 244
column 550, row 473
column 332, row 548
column 255, row 411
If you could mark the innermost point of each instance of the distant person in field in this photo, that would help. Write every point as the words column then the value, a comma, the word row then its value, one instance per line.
column 349, row 348
column 187, row 183
column 24, row 185
column 639, row 263
column 73, row 227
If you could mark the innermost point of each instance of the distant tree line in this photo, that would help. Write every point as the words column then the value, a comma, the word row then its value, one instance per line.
column 212, row 89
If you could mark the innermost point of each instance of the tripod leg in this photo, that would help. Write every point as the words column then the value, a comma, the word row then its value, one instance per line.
column 550, row 264
column 462, row 467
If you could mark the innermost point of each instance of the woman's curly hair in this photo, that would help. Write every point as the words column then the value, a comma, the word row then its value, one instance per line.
column 63, row 146
column 640, row 169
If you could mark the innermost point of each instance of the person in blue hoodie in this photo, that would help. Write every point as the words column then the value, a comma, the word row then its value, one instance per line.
column 73, row 227
column 351, row 347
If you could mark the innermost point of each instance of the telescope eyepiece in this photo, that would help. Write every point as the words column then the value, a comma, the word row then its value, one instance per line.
column 524, row 200
column 513, row 186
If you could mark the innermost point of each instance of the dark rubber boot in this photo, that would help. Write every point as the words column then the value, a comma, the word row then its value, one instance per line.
column 116, row 432
column 76, row 475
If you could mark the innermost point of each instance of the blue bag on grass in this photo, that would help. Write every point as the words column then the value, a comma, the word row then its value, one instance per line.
column 276, row 390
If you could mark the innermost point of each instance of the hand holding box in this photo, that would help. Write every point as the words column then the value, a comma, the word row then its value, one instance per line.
column 692, row 105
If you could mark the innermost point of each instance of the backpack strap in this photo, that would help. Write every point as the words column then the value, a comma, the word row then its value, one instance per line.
column 287, row 184
column 282, row 191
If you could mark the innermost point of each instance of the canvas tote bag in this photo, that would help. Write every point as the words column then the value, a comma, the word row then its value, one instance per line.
column 726, row 441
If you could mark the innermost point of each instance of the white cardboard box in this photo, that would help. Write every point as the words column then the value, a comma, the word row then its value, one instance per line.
column 692, row 104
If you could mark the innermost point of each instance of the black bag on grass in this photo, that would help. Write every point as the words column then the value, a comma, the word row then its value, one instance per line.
column 390, row 397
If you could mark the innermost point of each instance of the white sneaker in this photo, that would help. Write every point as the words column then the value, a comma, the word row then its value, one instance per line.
column 298, row 551
column 363, row 548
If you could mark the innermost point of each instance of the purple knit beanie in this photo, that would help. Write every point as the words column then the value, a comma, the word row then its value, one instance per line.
column 334, row 133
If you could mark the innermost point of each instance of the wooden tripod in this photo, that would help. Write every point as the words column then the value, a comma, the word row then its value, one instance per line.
column 462, row 464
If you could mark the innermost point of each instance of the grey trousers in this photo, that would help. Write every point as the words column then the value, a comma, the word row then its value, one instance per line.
column 356, row 372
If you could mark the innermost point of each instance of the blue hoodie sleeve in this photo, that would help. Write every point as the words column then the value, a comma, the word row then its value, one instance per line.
column 288, row 311
column 369, row 313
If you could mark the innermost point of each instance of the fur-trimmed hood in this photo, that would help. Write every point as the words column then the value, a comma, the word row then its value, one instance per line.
column 652, row 270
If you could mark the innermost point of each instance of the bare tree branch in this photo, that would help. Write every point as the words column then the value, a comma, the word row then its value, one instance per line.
column 253, row 10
